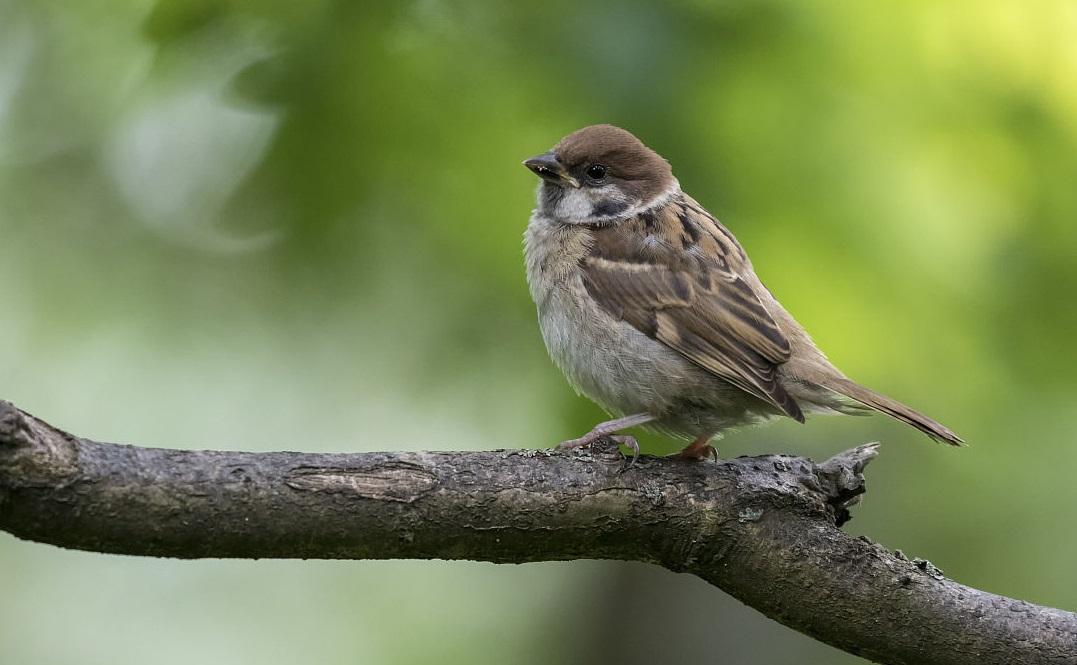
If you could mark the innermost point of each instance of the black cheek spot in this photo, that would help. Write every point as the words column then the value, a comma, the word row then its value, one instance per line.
column 609, row 208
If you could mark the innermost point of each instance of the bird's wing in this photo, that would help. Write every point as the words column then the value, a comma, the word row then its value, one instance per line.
column 680, row 277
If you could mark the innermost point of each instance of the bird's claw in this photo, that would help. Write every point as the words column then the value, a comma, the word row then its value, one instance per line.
column 629, row 442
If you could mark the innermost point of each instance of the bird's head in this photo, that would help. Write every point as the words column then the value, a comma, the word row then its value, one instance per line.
column 598, row 174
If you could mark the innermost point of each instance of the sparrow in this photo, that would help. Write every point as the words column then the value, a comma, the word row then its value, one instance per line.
column 652, row 309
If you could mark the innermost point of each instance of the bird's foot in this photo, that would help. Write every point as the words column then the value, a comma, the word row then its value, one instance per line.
column 628, row 441
column 591, row 437
column 699, row 450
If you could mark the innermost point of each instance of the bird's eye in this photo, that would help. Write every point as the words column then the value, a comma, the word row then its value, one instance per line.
column 596, row 172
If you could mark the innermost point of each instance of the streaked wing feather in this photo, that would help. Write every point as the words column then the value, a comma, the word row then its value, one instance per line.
column 703, row 310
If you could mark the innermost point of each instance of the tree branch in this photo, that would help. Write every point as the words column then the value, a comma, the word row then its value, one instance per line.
column 764, row 529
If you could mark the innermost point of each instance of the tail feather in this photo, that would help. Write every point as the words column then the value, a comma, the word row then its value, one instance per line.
column 894, row 409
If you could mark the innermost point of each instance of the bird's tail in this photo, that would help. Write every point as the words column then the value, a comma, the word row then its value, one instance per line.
column 894, row 409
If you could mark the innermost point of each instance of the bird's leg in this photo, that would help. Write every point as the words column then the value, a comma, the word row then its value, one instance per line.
column 607, row 429
column 700, row 449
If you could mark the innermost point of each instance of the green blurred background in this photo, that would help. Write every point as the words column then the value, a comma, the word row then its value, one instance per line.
column 297, row 225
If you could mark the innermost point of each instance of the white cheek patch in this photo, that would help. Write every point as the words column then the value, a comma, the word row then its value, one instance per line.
column 575, row 205
column 588, row 205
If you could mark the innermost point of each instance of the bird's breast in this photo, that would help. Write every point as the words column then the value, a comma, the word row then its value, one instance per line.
column 603, row 357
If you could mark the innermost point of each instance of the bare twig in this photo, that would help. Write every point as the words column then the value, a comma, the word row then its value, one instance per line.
column 764, row 529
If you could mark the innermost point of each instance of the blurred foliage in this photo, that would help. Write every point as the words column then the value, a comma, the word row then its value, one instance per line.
column 297, row 225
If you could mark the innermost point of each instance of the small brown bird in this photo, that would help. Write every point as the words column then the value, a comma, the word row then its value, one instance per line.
column 651, row 307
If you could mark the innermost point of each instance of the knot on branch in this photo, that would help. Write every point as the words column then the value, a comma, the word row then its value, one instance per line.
column 33, row 452
column 14, row 428
column 825, row 489
column 842, row 478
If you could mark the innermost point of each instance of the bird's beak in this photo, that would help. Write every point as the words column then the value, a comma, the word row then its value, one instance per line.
column 549, row 169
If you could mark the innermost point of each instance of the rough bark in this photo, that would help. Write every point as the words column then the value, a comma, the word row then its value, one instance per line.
column 764, row 529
